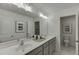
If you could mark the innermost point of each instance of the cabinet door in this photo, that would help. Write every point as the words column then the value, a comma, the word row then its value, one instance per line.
column 45, row 46
column 52, row 46
column 37, row 51
column 50, row 51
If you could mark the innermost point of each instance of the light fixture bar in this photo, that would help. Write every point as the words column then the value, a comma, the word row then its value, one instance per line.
column 43, row 16
column 24, row 6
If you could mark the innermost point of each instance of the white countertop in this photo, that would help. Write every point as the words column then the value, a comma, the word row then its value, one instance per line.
column 28, row 46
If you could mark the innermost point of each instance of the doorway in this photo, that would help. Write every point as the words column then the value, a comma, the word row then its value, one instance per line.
column 68, row 35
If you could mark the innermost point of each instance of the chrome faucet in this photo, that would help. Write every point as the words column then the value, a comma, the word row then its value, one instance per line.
column 22, row 45
column 21, row 42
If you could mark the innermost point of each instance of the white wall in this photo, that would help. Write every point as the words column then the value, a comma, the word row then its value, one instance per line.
column 7, row 25
column 54, row 28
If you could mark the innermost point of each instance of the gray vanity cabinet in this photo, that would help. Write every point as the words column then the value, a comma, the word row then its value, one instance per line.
column 49, row 47
column 52, row 46
column 37, row 51
column 45, row 49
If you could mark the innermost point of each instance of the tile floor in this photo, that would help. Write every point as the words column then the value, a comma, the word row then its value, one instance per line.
column 66, row 51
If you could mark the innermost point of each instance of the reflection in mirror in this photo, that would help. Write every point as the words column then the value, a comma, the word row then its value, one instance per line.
column 43, row 26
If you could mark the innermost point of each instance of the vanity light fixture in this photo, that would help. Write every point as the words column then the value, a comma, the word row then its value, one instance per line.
column 43, row 16
column 25, row 6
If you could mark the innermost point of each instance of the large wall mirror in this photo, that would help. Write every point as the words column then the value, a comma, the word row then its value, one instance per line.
column 11, row 30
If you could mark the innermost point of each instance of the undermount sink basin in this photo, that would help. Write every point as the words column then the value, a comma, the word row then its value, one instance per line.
column 27, row 45
column 22, row 48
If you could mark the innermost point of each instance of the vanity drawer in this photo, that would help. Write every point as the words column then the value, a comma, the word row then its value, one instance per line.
column 37, row 51
column 48, row 48
column 45, row 45
column 52, row 46
column 45, row 49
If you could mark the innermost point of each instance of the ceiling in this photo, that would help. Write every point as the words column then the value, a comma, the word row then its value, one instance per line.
column 49, row 8
column 46, row 8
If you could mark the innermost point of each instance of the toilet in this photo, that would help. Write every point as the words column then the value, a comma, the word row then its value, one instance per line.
column 66, row 42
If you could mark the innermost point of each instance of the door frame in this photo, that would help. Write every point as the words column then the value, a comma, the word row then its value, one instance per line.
column 76, row 43
column 77, row 34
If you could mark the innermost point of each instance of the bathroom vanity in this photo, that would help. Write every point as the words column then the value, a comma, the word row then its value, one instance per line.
column 48, row 48
column 31, row 47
